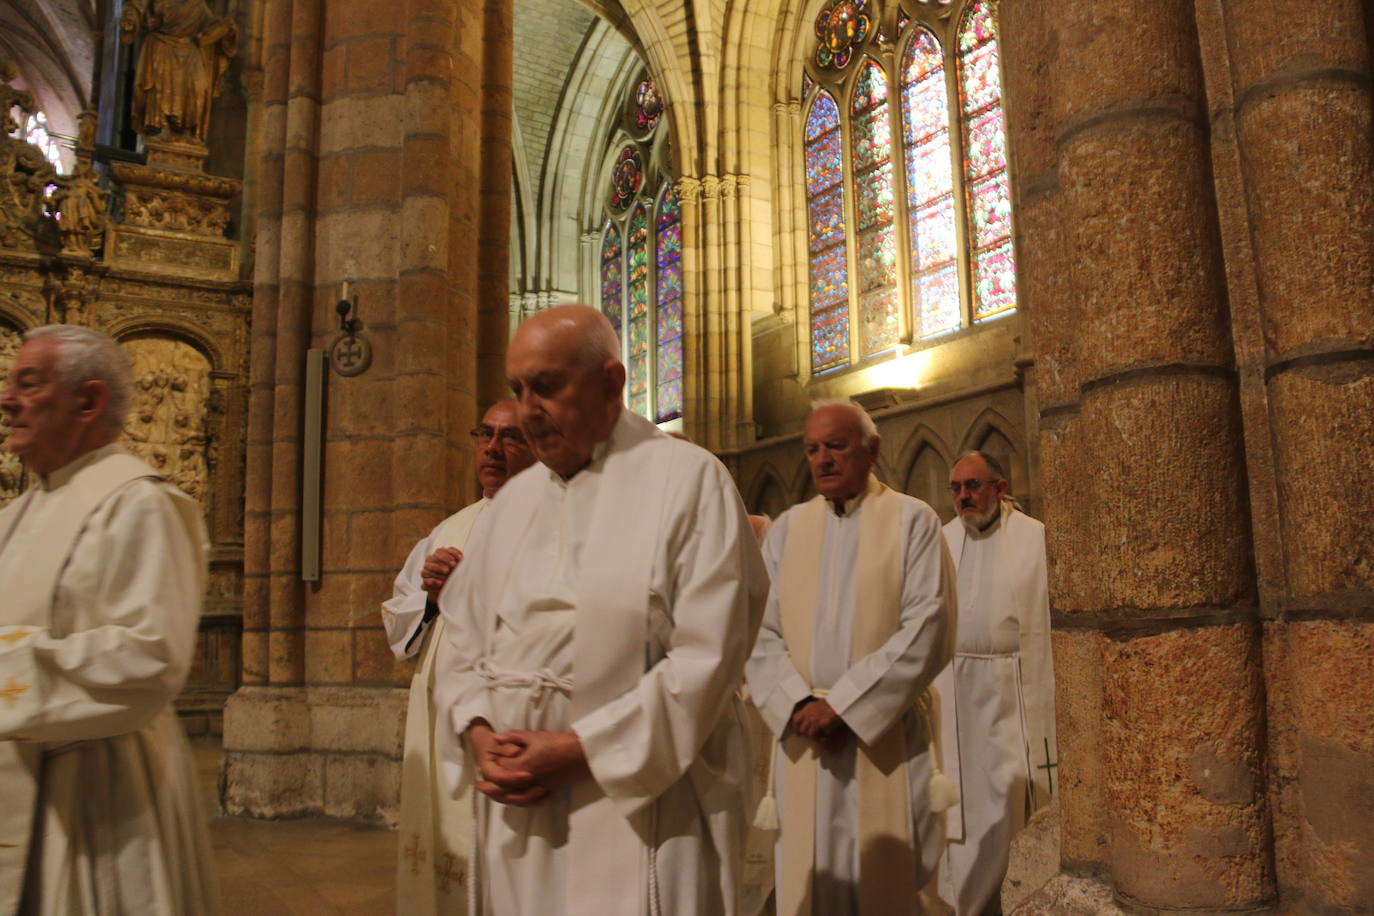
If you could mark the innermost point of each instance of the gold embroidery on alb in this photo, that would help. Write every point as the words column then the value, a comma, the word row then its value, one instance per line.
column 11, row 691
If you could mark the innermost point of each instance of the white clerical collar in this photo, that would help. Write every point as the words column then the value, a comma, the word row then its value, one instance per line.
column 63, row 475
column 598, row 456
column 849, row 506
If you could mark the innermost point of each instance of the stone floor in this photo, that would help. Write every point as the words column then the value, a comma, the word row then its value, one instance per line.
column 312, row 867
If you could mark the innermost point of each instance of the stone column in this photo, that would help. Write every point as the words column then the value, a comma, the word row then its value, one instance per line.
column 372, row 173
column 1157, row 646
column 1293, row 90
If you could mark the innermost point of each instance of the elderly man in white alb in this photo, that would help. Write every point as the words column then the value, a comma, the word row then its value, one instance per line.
column 102, row 568
column 998, row 734
column 596, row 635
column 436, row 829
column 859, row 621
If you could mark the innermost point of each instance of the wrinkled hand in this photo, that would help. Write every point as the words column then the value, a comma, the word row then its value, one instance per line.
column 438, row 566
column 816, row 719
column 553, row 759
column 499, row 780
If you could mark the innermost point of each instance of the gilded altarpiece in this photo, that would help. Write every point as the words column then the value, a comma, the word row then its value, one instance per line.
column 181, row 313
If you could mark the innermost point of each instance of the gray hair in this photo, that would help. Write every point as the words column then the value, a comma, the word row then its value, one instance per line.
column 86, row 355
column 867, row 427
column 994, row 466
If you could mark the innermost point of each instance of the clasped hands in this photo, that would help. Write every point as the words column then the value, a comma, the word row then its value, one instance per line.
column 816, row 719
column 520, row 767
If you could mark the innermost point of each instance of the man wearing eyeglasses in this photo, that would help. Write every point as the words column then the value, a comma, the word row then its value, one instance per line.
column 435, row 829
column 1000, row 726
column 859, row 621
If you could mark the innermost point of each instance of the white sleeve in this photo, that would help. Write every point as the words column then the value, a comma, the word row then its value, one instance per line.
column 638, row 744
column 775, row 684
column 404, row 612
column 145, row 578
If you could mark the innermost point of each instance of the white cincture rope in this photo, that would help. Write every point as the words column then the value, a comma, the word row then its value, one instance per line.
column 542, row 680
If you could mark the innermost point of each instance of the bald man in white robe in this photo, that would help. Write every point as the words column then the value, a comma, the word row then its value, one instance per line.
column 596, row 635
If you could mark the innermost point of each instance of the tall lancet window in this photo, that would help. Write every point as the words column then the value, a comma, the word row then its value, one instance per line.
column 912, row 166
column 640, row 263
column 826, row 235
column 985, row 163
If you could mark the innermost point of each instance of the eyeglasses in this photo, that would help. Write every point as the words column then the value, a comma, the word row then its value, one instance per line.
column 973, row 485
column 508, row 436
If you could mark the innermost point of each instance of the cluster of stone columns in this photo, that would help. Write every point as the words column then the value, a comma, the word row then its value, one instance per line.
column 383, row 159
column 1195, row 211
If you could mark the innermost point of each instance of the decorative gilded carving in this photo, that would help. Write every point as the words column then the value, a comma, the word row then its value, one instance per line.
column 25, row 173
column 186, row 49
column 169, row 422
column 80, row 203
column 11, row 469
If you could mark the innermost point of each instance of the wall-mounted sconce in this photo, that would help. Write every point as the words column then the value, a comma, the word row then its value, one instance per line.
column 350, row 354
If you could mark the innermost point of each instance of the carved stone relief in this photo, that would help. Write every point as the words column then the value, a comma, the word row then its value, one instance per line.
column 11, row 469
column 168, row 423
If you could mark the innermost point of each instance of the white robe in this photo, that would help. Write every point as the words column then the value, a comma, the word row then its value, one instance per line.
column 434, row 842
column 1001, row 725
column 870, row 695
column 668, row 756
column 119, row 826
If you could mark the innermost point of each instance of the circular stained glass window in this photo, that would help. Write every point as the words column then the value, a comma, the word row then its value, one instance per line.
column 626, row 178
column 648, row 105
column 841, row 27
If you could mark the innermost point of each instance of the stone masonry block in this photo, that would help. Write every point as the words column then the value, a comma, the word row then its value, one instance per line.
column 1183, row 762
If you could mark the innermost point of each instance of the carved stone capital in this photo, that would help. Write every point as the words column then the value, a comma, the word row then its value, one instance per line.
column 688, row 189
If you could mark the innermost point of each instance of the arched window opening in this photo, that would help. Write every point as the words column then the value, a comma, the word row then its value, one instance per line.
column 933, row 249
column 641, row 256
column 826, row 235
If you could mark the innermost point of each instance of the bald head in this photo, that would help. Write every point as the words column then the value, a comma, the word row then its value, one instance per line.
column 564, row 368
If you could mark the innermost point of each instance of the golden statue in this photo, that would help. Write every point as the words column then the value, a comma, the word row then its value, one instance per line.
column 185, row 53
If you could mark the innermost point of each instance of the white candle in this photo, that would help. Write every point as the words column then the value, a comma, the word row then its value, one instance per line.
column 345, row 292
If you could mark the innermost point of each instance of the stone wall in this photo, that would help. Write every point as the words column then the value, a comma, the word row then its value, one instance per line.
column 382, row 159
column 1194, row 198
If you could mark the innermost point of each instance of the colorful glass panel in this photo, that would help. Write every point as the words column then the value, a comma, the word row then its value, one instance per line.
column 648, row 105
column 626, row 177
column 827, row 239
column 880, row 323
column 36, row 132
column 841, row 26
column 612, row 276
column 987, row 193
column 668, row 309
column 807, row 83
column 929, row 186
column 637, row 321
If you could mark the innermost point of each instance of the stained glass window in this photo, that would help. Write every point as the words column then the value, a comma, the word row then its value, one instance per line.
column 612, row 275
column 841, row 26
column 648, row 105
column 36, row 132
column 626, row 178
column 826, row 235
column 987, row 190
column 932, row 242
column 879, row 307
column 637, row 320
column 929, row 187
column 668, row 308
